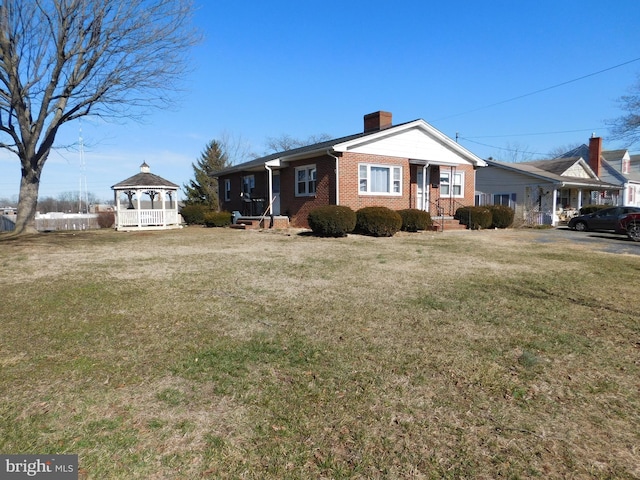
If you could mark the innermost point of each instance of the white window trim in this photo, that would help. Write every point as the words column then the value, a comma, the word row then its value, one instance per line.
column 368, row 191
column 248, row 183
column 451, row 185
column 511, row 204
column 307, row 169
column 227, row 189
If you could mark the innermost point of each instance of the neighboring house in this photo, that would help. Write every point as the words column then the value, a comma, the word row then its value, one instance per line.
column 411, row 165
column 549, row 192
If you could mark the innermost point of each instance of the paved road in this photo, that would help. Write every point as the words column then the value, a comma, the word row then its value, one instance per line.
column 606, row 242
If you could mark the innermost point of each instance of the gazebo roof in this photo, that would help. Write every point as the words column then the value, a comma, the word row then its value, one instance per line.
column 144, row 179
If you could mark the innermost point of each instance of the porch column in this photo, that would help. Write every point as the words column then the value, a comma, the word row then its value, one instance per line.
column 554, row 215
column 579, row 198
column 425, row 191
column 270, row 188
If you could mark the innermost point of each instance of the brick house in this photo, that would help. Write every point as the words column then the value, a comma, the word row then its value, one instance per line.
column 410, row 165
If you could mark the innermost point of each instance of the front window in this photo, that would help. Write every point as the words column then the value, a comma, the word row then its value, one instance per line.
column 506, row 199
column 380, row 179
column 306, row 181
column 451, row 184
column 248, row 184
column 227, row 189
column 563, row 198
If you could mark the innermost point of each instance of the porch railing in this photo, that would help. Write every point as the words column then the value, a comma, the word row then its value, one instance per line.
column 147, row 218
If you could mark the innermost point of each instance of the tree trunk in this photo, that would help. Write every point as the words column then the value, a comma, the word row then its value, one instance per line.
column 27, row 203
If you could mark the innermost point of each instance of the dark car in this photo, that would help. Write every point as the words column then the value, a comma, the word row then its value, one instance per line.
column 605, row 219
column 630, row 224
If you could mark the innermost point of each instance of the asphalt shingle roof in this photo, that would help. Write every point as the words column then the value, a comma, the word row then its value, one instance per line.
column 144, row 180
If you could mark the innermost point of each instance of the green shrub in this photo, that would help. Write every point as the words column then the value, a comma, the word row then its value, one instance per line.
column 106, row 219
column 592, row 208
column 378, row 221
column 414, row 219
column 474, row 218
column 501, row 216
column 217, row 219
column 332, row 221
column 194, row 214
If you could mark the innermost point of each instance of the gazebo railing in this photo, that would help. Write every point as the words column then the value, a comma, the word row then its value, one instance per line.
column 146, row 217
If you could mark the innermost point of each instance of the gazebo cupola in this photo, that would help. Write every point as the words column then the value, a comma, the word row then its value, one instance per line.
column 146, row 202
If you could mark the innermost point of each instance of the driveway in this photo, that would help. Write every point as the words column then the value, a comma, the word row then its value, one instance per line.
column 603, row 241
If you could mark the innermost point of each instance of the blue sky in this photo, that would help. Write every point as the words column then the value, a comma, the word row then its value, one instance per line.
column 302, row 68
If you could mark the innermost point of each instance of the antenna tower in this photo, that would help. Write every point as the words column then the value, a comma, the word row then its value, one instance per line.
column 83, row 195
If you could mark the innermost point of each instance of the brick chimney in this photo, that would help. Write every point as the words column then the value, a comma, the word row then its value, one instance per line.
column 377, row 121
column 595, row 154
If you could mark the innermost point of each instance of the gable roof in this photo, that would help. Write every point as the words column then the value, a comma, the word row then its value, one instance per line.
column 531, row 169
column 559, row 166
column 357, row 141
column 143, row 179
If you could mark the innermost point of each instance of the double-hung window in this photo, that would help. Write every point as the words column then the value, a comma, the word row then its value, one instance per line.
column 306, row 181
column 227, row 189
column 451, row 184
column 380, row 179
column 248, row 184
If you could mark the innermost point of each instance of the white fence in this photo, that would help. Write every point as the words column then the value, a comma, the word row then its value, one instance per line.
column 54, row 221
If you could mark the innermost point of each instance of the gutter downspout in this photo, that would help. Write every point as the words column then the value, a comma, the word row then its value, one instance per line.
column 337, row 176
column 270, row 177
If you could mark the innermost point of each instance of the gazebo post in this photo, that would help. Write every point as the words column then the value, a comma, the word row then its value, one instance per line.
column 163, row 196
column 116, row 202
column 139, row 206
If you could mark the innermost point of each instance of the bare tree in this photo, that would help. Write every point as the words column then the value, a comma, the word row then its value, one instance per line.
column 515, row 152
column 562, row 150
column 237, row 149
column 286, row 142
column 627, row 126
column 64, row 59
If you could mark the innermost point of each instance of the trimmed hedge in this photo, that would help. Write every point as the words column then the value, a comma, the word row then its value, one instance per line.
column 106, row 219
column 414, row 220
column 194, row 214
column 217, row 219
column 474, row 218
column 332, row 221
column 592, row 208
column 378, row 221
column 501, row 216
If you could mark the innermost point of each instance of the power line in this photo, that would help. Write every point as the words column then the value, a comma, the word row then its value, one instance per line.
column 534, row 134
column 503, row 148
column 541, row 90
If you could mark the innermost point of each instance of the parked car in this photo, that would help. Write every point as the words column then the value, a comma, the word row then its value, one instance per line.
column 605, row 219
column 630, row 224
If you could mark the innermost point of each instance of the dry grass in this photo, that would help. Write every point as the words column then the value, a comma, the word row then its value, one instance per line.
column 211, row 353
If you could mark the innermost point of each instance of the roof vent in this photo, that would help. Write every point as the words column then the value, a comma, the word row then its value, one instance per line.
column 144, row 168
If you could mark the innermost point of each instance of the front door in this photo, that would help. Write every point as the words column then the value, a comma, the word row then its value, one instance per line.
column 420, row 199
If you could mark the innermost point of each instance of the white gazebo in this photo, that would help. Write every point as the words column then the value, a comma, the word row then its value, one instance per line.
column 146, row 202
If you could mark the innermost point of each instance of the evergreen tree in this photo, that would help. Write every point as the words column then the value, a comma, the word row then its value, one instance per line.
column 203, row 189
